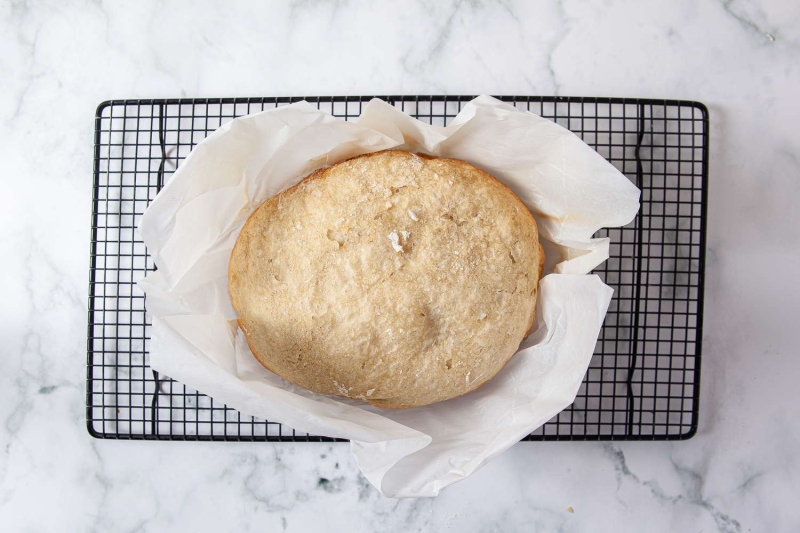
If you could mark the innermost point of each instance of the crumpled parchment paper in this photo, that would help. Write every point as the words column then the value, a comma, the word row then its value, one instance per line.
column 191, row 226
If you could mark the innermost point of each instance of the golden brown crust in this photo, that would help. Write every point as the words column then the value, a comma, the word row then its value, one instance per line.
column 391, row 278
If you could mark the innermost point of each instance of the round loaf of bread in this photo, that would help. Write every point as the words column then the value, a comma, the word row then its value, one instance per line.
column 397, row 279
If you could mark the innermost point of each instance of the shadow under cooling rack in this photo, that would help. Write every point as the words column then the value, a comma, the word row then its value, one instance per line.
column 643, row 381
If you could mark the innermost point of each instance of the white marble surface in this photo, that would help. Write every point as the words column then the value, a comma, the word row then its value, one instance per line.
column 60, row 59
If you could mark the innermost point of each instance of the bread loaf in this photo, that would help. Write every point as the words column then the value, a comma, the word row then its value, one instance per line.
column 393, row 278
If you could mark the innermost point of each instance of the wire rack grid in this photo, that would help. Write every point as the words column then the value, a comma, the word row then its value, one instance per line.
column 643, row 380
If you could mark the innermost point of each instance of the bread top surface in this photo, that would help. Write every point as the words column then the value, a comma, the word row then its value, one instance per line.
column 392, row 278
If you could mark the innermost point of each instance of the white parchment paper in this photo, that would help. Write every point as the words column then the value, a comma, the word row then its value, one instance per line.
column 191, row 226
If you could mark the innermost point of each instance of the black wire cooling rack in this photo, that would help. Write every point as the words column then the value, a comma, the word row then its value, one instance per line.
column 643, row 381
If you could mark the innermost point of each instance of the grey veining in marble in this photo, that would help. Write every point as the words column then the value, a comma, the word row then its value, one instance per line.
column 740, row 473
